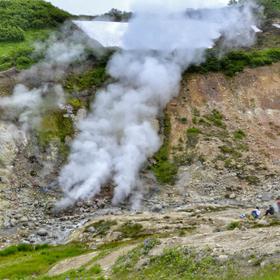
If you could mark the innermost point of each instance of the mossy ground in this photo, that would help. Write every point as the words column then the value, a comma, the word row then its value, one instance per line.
column 55, row 127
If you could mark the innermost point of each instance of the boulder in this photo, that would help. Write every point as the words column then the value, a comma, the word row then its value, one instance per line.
column 42, row 232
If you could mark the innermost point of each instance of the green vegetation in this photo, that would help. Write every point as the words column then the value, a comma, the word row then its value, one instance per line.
column 192, row 135
column 22, row 23
column 21, row 248
column 92, row 78
column 54, row 126
column 21, row 54
column 164, row 169
column 102, row 227
column 93, row 273
column 272, row 8
column 18, row 16
column 239, row 134
column 216, row 118
column 271, row 272
column 252, row 180
column 233, row 225
column 131, row 230
column 236, row 61
column 27, row 261
column 230, row 151
column 184, row 120
column 175, row 263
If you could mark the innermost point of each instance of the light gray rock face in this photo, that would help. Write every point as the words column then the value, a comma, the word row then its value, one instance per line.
column 9, row 139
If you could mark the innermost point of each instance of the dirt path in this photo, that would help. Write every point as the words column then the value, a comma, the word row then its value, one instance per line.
column 107, row 262
column 73, row 263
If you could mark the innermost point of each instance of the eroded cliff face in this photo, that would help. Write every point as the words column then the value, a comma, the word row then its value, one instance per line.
column 226, row 132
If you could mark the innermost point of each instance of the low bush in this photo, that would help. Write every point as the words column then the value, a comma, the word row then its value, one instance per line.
column 235, row 61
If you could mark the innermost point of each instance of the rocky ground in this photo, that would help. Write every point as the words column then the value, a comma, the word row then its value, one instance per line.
column 221, row 175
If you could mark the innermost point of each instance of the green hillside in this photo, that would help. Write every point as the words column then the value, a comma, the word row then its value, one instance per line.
column 18, row 16
column 23, row 22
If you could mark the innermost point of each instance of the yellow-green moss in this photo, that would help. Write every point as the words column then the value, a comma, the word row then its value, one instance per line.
column 54, row 126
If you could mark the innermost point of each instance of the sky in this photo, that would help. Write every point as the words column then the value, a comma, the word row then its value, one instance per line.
column 94, row 7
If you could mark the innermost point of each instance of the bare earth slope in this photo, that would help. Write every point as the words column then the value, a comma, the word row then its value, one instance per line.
column 225, row 132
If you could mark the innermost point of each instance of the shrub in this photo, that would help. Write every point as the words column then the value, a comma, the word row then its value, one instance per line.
column 216, row 118
column 11, row 34
column 235, row 61
column 23, row 62
column 92, row 78
column 165, row 171
column 131, row 230
column 192, row 135
column 233, row 225
column 239, row 135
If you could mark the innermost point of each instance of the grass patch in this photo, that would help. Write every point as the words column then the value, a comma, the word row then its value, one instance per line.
column 18, row 16
column 131, row 230
column 233, row 225
column 175, row 263
column 230, row 151
column 271, row 272
column 95, row 272
column 20, row 54
column 102, row 227
column 252, row 180
column 27, row 261
column 21, row 248
column 239, row 134
column 215, row 118
column 164, row 169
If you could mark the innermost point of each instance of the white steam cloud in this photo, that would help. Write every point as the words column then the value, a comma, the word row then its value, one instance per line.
column 39, row 89
column 27, row 105
column 118, row 136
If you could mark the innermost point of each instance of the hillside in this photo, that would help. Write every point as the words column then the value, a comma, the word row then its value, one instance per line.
column 219, row 159
column 18, row 16
column 21, row 24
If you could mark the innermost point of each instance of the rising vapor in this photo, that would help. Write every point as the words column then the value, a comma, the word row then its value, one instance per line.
column 118, row 136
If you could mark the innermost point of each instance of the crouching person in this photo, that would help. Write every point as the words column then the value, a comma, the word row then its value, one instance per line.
column 256, row 213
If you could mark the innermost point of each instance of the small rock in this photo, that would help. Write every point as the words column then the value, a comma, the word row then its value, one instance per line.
column 42, row 232
column 232, row 196
column 91, row 230
column 157, row 208
column 266, row 197
column 23, row 219
column 223, row 258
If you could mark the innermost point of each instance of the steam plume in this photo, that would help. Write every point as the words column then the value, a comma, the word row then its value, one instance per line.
column 118, row 136
column 39, row 88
